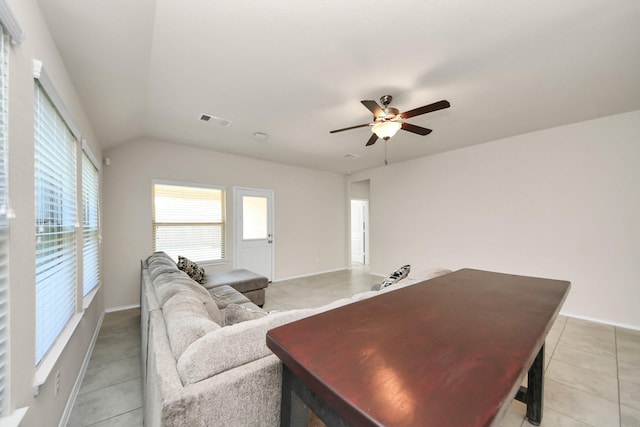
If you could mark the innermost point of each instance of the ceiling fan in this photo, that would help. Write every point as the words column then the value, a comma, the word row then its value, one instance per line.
column 388, row 120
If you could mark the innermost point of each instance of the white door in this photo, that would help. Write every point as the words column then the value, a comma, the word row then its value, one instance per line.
column 253, row 220
column 359, row 231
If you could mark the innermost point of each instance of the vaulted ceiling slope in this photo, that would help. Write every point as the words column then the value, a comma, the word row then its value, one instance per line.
column 297, row 69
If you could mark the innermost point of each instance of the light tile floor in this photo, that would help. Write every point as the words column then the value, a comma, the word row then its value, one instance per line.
column 111, row 392
column 592, row 371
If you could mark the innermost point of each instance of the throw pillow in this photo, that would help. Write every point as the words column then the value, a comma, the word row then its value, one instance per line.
column 235, row 313
column 191, row 268
column 394, row 277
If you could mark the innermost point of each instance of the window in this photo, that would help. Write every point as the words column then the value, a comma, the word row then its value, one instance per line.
column 56, row 221
column 189, row 221
column 4, row 221
column 10, row 32
column 90, row 224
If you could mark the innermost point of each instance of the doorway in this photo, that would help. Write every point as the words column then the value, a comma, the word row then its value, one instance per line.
column 360, row 222
column 359, row 233
column 253, row 218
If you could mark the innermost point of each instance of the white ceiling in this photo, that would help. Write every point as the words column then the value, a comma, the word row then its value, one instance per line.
column 297, row 69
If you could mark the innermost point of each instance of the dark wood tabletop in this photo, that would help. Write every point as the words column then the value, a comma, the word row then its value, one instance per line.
column 450, row 351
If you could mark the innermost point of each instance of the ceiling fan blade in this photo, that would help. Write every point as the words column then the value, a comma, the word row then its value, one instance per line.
column 416, row 129
column 373, row 107
column 372, row 140
column 349, row 128
column 425, row 109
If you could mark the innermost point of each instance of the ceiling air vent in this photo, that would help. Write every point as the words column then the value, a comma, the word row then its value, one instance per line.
column 217, row 120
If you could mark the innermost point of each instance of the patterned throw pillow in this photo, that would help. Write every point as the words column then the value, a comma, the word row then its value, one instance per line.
column 191, row 268
column 394, row 277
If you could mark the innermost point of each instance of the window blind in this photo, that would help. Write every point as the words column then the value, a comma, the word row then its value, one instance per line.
column 55, row 191
column 189, row 221
column 4, row 222
column 90, row 226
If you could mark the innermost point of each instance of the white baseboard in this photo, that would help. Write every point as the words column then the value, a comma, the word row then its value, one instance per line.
column 121, row 308
column 310, row 274
column 602, row 322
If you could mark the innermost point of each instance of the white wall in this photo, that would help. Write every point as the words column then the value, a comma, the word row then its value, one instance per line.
column 559, row 203
column 360, row 189
column 310, row 228
column 37, row 45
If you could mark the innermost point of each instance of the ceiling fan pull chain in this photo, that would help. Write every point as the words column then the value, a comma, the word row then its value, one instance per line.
column 385, row 153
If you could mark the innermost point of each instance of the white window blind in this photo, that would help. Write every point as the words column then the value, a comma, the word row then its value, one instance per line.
column 189, row 221
column 90, row 226
column 4, row 222
column 56, row 221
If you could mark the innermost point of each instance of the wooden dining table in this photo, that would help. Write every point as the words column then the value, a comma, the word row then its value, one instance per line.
column 449, row 351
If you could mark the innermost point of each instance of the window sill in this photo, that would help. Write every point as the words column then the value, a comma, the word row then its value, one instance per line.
column 47, row 364
column 15, row 418
column 88, row 299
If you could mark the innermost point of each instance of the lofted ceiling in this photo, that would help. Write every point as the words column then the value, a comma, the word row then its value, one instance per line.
column 297, row 69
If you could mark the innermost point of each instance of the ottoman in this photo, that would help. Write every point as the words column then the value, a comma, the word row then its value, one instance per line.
column 248, row 283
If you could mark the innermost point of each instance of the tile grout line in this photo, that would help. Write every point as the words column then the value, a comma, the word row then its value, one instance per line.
column 567, row 385
column 112, row 417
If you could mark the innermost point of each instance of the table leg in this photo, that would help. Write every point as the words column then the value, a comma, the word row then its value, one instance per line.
column 535, row 389
column 533, row 394
column 293, row 411
column 298, row 399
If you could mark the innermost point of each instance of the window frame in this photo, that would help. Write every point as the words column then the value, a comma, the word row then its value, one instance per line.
column 47, row 363
column 5, row 215
column 222, row 223
column 91, row 237
column 13, row 34
column 56, row 192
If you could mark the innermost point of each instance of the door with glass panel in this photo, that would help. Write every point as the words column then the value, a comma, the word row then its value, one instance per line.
column 253, row 218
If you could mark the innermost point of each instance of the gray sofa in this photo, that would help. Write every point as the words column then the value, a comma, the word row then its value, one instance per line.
column 199, row 371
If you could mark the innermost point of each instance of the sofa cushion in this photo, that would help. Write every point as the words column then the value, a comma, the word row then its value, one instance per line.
column 158, row 256
column 191, row 268
column 187, row 320
column 159, row 263
column 169, row 284
column 241, row 280
column 156, row 270
column 231, row 346
column 225, row 295
column 235, row 313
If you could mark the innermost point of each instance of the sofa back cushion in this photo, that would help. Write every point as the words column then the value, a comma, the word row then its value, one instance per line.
column 160, row 263
column 231, row 346
column 187, row 320
column 169, row 284
column 157, row 270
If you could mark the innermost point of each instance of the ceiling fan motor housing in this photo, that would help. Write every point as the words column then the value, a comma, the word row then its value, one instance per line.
column 386, row 99
column 389, row 114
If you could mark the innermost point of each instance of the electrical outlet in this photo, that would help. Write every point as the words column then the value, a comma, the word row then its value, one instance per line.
column 56, row 387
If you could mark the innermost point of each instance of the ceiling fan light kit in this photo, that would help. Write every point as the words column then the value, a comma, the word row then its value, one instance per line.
column 386, row 130
column 387, row 121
